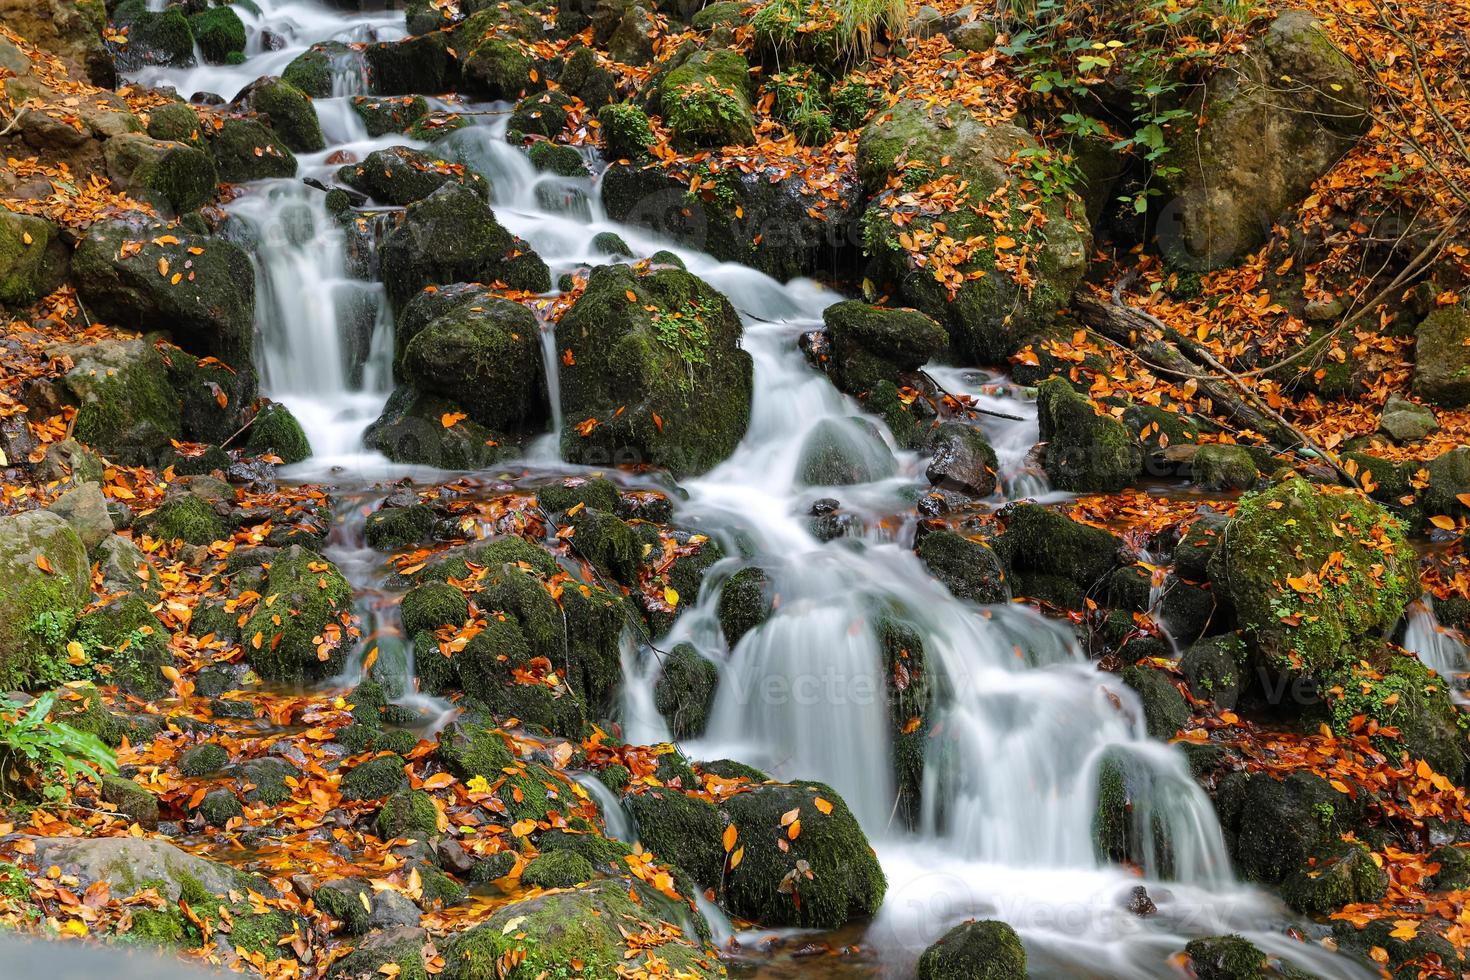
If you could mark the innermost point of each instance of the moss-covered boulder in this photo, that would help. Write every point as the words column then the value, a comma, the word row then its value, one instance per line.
column 483, row 353
column 1235, row 958
column 1442, row 357
column 963, row 460
column 969, row 569
column 135, row 804
column 655, row 375
column 451, row 236
column 247, row 149
column 174, row 177
column 385, row 115
column 1403, row 696
column 685, row 691
column 184, row 518
column 819, row 875
column 1313, row 571
column 432, row 606
column 706, row 100
column 1340, row 874
column 1165, row 711
column 210, row 310
column 312, row 70
column 33, row 259
column 125, row 405
column 500, row 68
column 220, row 34
column 625, row 132
column 154, row 37
column 409, row 813
column 986, row 310
column 424, row 65
column 544, row 114
column 288, row 110
column 1276, row 826
column 844, row 452
column 681, row 830
column 412, row 430
column 374, row 779
column 1085, row 452
column 1218, row 467
column 558, row 869
column 593, row 925
column 276, row 432
column 1255, row 153
column 1212, row 669
column 1039, row 543
column 400, row 175
column 401, row 947
column 985, row 950
column 875, row 343
column 289, row 640
column 746, row 600
column 392, row 528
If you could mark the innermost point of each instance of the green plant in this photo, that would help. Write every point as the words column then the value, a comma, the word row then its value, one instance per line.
column 34, row 749
column 829, row 35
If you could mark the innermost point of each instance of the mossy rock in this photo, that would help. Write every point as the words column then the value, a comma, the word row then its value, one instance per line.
column 400, row 175
column 877, row 343
column 176, row 178
column 246, row 149
column 393, row 528
column 626, row 133
column 220, row 34
column 844, row 882
column 544, row 114
column 681, row 830
column 1043, row 541
column 311, row 593
column 154, row 37
column 589, row 925
column 599, row 493
column 374, row 779
column 403, row 950
column 276, row 432
column 746, row 601
column 1220, row 467
column 1402, row 695
column 411, row 430
column 290, row 111
column 558, row 869
column 1291, row 532
column 1235, row 958
column 844, row 452
column 1165, row 711
column 424, row 65
column 985, row 950
column 661, row 381
column 686, row 690
column 500, row 68
column 219, row 807
column 1442, row 361
column 706, row 100
column 126, row 408
column 469, row 749
column 184, row 518
column 409, row 813
column 1340, row 874
column 311, row 71
column 969, row 569
column 553, row 158
column 1212, row 668
column 1278, row 825
column 204, row 759
column 382, row 116
column 134, row 803
column 1085, row 452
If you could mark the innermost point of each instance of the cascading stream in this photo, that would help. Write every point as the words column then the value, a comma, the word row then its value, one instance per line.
column 1025, row 724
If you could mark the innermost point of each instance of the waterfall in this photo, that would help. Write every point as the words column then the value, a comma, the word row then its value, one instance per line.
column 1442, row 651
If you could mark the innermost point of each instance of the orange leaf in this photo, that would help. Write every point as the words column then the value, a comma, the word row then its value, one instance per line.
column 1443, row 523
column 823, row 806
column 44, row 564
column 450, row 419
column 730, row 834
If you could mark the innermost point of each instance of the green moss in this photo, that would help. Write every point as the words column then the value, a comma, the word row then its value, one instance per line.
column 367, row 961
column 374, row 779
column 469, row 749
column 127, row 409
column 969, row 569
column 1292, row 531
column 592, row 847
column 1406, row 698
column 706, row 100
column 275, row 431
column 499, row 68
column 291, row 113
column 382, row 116
column 553, row 158
column 558, row 869
column 1342, row 874
column 311, row 71
column 204, row 759
column 220, row 34
column 310, row 594
column 185, row 518
column 681, row 830
column 1038, row 539
column 1085, row 452
column 986, row 950
column 393, row 528
column 125, row 636
column 408, row 814
column 441, row 889
column 1220, row 467
column 599, row 493
column 166, row 929
column 135, row 804
column 245, row 150
column 626, row 133
column 219, row 807
column 1164, row 709
column 608, row 543
column 685, row 691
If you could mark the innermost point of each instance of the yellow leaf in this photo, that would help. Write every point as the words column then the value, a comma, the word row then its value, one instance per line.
column 823, row 806
column 671, row 595
column 794, row 830
column 736, row 858
column 790, row 816
column 75, row 655
column 730, row 834
column 1443, row 523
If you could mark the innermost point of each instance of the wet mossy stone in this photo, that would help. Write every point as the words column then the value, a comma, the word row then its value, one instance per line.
column 382, row 116
column 198, row 383
column 685, row 691
column 263, row 780
column 969, row 569
column 590, row 925
column 423, row 65
column 1212, row 668
column 608, row 543
column 681, row 830
column 401, row 175
column 374, row 779
column 543, row 114
column 612, row 245
column 432, row 606
column 276, row 432
column 1442, row 358
column 409, row 813
column 204, row 759
column 176, row 122
column 310, row 594
column 1165, row 711
column 125, row 406
column 469, row 748
column 552, row 158
column 1085, row 452
column 1197, row 546
column 1279, row 824
column 1405, row 956
column 1235, row 958
column 1219, row 467
column 154, row 37
column 846, row 882
column 990, row 314
column 126, row 637
column 468, row 245
column 134, row 803
column 876, row 343
column 1454, row 869
column 289, row 110
column 220, row 34
column 411, row 430
column 963, row 460
column 219, row 807
column 484, row 354
column 599, row 493
column 984, row 950
column 246, row 149
column 184, row 518
column 174, row 177
column 499, row 68
column 1405, row 696
column 1291, row 532
column 33, row 259
column 1342, row 873
column 626, row 133
column 658, row 378
column 402, row 948
column 1040, row 540
column 392, row 528
column 558, row 869
column 360, row 909
column 745, row 603
column 844, row 452
column 706, row 100
column 312, row 70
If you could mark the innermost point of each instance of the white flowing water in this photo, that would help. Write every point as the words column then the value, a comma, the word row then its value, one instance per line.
column 1022, row 724
column 1442, row 650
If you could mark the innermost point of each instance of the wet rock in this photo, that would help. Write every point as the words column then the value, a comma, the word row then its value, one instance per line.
column 219, row 34
column 969, row 569
column 1219, row 467
column 219, row 807
column 1399, row 691
column 127, row 862
column 204, row 759
column 40, row 607
column 1212, row 668
column 154, row 38
column 400, row 175
column 745, row 602
column 844, row 452
column 1085, row 452
column 33, row 259
column 246, row 150
column 184, row 518
column 706, row 100
column 317, row 593
column 401, row 947
column 288, row 110
column 275, row 432
column 963, row 460
column 312, row 70
column 134, row 803
column 989, row 315
column 1289, row 532
column 873, row 343
column 411, row 430
column 686, row 690
column 125, row 406
column 1040, row 543
column 422, row 65
column 1278, row 825
column 1164, row 709
column 984, row 949
column 1234, row 958
column 625, row 132
column 1256, row 153
column 387, row 115
column 660, row 381
column 469, row 245
column 85, row 509
column 360, row 909
column 1140, row 904
column 498, row 69
column 1339, row 874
